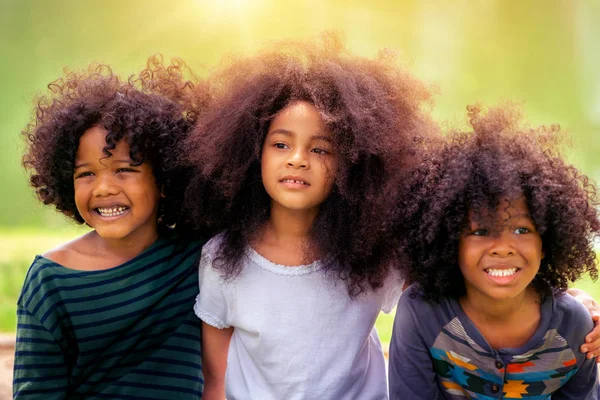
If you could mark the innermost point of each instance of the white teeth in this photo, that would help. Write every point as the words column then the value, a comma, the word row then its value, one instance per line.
column 293, row 181
column 112, row 212
column 501, row 272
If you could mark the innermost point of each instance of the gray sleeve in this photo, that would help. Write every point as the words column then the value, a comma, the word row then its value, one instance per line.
column 575, row 324
column 411, row 372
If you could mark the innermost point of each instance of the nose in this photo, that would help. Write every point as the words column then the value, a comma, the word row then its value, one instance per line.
column 298, row 159
column 105, row 185
column 502, row 245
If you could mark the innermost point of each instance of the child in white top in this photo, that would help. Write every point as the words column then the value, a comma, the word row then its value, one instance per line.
column 305, row 146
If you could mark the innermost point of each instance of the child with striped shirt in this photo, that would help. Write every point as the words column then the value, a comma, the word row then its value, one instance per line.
column 108, row 314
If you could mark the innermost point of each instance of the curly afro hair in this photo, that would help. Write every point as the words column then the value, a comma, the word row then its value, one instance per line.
column 474, row 171
column 152, row 112
column 373, row 109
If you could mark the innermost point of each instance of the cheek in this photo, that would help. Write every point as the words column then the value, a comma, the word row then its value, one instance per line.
column 328, row 170
column 265, row 161
column 80, row 195
column 462, row 249
column 468, row 256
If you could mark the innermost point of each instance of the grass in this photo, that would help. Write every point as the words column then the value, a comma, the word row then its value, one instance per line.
column 20, row 246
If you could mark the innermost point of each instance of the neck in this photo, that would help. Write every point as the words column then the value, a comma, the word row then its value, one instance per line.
column 289, row 224
column 481, row 308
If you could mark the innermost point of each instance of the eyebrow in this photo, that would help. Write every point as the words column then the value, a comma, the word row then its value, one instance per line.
column 290, row 133
column 522, row 215
column 123, row 161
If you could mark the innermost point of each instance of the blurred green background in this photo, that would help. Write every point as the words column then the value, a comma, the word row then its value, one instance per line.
column 543, row 53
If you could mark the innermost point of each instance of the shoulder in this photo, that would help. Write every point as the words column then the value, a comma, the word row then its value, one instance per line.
column 69, row 253
column 566, row 306
column 209, row 253
column 412, row 299
column 214, row 242
column 212, row 246
column 571, row 319
column 413, row 307
column 41, row 279
column 180, row 242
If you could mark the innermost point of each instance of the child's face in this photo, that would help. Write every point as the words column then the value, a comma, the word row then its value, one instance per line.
column 298, row 161
column 116, row 199
column 500, row 258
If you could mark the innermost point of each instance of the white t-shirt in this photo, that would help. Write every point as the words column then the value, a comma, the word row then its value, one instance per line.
column 297, row 334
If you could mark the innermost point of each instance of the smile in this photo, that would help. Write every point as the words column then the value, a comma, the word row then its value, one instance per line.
column 116, row 211
column 501, row 272
column 294, row 181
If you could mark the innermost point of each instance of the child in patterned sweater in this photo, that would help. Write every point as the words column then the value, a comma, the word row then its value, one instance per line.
column 501, row 225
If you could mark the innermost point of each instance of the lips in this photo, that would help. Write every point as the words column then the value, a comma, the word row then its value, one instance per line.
column 294, row 180
column 502, row 274
column 111, row 210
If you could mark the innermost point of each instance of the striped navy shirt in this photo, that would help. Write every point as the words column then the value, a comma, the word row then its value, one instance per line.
column 128, row 332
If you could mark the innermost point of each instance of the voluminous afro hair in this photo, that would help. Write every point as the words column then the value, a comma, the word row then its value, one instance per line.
column 474, row 171
column 371, row 107
column 152, row 112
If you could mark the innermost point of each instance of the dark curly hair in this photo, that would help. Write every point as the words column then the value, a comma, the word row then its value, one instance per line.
column 474, row 171
column 152, row 112
column 371, row 107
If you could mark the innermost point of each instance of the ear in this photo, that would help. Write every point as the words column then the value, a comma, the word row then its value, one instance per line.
column 162, row 192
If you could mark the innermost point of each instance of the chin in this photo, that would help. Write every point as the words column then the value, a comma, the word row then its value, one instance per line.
column 505, row 294
column 111, row 233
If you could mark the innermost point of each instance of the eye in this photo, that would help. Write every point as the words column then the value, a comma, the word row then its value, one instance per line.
column 521, row 231
column 126, row 169
column 320, row 151
column 480, row 232
column 83, row 174
column 281, row 146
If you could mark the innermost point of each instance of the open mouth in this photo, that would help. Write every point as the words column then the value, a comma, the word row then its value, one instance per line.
column 295, row 182
column 116, row 211
column 501, row 272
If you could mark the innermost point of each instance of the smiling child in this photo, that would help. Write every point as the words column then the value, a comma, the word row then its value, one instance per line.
column 503, row 225
column 108, row 314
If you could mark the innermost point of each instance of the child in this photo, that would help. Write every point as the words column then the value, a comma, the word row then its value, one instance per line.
column 503, row 225
column 306, row 145
column 108, row 314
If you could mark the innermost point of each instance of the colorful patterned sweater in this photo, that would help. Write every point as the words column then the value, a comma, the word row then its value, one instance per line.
column 128, row 332
column 437, row 353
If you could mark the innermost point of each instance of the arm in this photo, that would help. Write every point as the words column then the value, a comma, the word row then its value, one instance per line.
column 411, row 373
column 215, row 346
column 40, row 370
column 592, row 340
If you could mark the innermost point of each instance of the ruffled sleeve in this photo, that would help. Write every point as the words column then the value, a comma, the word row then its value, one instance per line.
column 212, row 304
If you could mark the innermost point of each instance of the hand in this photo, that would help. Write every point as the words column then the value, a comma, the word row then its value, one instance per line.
column 592, row 340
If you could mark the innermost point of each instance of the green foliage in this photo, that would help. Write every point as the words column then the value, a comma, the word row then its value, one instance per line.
column 484, row 51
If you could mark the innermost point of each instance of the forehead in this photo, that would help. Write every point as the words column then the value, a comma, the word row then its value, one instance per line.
column 505, row 210
column 299, row 117
column 93, row 141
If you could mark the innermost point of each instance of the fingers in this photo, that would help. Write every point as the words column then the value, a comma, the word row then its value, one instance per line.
column 592, row 341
